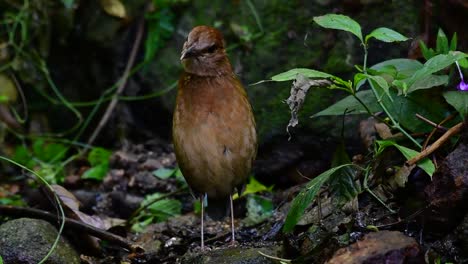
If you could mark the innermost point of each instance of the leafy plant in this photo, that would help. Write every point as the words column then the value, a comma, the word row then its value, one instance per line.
column 156, row 212
column 399, row 88
column 99, row 160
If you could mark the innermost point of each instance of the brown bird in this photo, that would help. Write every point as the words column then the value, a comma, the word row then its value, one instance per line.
column 213, row 130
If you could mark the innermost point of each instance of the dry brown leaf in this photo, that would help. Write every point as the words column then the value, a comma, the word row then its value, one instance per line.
column 114, row 8
column 383, row 130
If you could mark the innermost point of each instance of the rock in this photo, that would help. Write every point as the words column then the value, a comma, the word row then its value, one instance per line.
column 233, row 256
column 448, row 192
column 28, row 240
column 380, row 247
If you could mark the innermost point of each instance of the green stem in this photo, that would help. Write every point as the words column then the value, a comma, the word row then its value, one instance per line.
column 395, row 124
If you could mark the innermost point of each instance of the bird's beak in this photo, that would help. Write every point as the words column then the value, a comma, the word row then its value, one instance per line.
column 187, row 53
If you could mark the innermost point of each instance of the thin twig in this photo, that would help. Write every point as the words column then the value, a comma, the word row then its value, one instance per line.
column 431, row 123
column 69, row 223
column 426, row 142
column 437, row 144
column 123, row 83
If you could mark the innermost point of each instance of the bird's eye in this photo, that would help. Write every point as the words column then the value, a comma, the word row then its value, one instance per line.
column 211, row 49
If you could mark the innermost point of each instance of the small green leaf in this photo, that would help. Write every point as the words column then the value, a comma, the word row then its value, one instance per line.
column 453, row 42
column 340, row 22
column 386, row 35
column 252, row 187
column 459, row 101
column 98, row 156
column 292, row 74
column 425, row 164
column 442, row 42
column 342, row 183
column 306, row 196
column 164, row 173
column 426, row 52
column 359, row 80
column 163, row 209
column 97, row 172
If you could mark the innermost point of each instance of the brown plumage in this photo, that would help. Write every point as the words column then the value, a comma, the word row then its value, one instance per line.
column 213, row 128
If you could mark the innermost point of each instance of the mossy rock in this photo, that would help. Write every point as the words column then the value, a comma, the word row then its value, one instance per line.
column 28, row 240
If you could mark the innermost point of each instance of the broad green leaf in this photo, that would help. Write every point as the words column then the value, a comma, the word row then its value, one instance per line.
column 429, row 104
column 405, row 67
column 436, row 64
column 306, row 196
column 352, row 106
column 386, row 35
column 459, row 101
column 164, row 173
column 442, row 46
column 292, row 74
column 98, row 156
column 427, row 82
column 425, row 164
column 340, row 22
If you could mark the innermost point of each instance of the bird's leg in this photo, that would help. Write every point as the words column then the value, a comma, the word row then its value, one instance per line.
column 202, row 201
column 233, row 238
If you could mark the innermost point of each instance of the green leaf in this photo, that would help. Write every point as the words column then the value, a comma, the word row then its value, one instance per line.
column 342, row 183
column 163, row 209
column 428, row 82
column 292, row 74
column 442, row 42
column 352, row 106
column 97, row 172
column 386, row 35
column 48, row 152
column 381, row 83
column 340, row 22
column 252, row 187
column 164, row 173
column 1, row 260
column 425, row 164
column 453, row 42
column 359, row 80
column 98, row 156
column 426, row 52
column 160, row 29
column 306, row 196
column 459, row 101
column 436, row 64
column 405, row 67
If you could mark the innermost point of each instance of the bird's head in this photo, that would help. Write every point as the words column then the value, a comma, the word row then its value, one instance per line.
column 204, row 54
